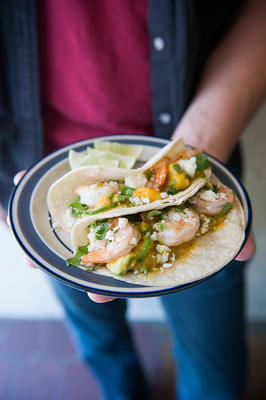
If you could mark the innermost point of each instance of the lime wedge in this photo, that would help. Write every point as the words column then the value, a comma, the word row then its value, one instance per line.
column 131, row 150
column 77, row 160
column 124, row 161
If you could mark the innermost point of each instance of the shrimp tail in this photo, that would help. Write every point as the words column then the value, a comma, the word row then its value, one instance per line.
column 161, row 174
column 98, row 256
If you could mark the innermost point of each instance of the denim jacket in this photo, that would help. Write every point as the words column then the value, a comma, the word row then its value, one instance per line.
column 182, row 35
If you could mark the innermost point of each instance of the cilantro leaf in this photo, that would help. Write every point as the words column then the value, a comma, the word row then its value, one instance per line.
column 102, row 209
column 148, row 174
column 82, row 250
column 153, row 213
column 125, row 192
column 78, row 208
column 177, row 168
column 226, row 208
column 171, row 190
column 202, row 162
column 162, row 227
column 101, row 229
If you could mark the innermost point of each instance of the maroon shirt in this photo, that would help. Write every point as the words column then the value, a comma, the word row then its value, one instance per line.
column 94, row 69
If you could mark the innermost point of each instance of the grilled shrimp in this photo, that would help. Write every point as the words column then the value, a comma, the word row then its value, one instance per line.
column 210, row 203
column 178, row 227
column 119, row 241
column 91, row 194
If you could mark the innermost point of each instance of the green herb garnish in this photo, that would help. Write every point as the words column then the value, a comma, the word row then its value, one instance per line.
column 215, row 188
column 78, row 208
column 125, row 193
column 101, row 229
column 162, row 227
column 145, row 248
column 202, row 162
column 177, row 168
column 148, row 174
column 171, row 188
column 226, row 208
column 91, row 268
column 82, row 250
column 153, row 213
column 111, row 196
column 102, row 209
column 143, row 269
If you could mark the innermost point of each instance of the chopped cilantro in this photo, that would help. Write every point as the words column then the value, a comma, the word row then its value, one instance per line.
column 162, row 227
column 215, row 188
column 143, row 269
column 153, row 213
column 148, row 174
column 102, row 209
column 111, row 196
column 202, row 162
column 78, row 208
column 101, row 229
column 91, row 268
column 171, row 188
column 93, row 225
column 122, row 197
column 226, row 208
column 125, row 192
column 82, row 250
column 177, row 168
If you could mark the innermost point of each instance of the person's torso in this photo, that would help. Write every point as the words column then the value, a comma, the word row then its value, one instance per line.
column 94, row 69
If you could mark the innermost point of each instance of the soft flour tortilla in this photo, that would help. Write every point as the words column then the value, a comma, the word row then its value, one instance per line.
column 62, row 192
column 209, row 253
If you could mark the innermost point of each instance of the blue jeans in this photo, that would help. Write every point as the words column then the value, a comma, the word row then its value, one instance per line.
column 208, row 333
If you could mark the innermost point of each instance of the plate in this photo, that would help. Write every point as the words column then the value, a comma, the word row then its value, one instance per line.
column 48, row 246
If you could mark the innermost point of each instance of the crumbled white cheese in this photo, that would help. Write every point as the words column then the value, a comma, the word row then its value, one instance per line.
column 133, row 241
column 154, row 236
column 145, row 200
column 122, row 222
column 205, row 224
column 136, row 272
column 136, row 181
column 189, row 166
column 135, row 200
column 222, row 195
column 188, row 216
column 174, row 216
column 163, row 195
column 110, row 235
column 166, row 265
column 161, row 248
column 163, row 253
column 208, row 195
column 172, row 258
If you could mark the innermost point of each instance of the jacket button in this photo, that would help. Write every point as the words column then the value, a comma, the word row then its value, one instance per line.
column 158, row 43
column 165, row 118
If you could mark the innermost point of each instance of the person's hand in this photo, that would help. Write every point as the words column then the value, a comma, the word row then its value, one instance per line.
column 93, row 296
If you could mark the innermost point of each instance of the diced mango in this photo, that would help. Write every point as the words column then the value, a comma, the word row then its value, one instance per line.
column 104, row 201
column 176, row 178
column 151, row 194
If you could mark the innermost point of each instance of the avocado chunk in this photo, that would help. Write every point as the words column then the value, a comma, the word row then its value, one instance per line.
column 122, row 265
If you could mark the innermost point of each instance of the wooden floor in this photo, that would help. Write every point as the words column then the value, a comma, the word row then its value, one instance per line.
column 38, row 362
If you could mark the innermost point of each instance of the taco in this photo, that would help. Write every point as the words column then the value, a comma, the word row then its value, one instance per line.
column 171, row 176
column 163, row 247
